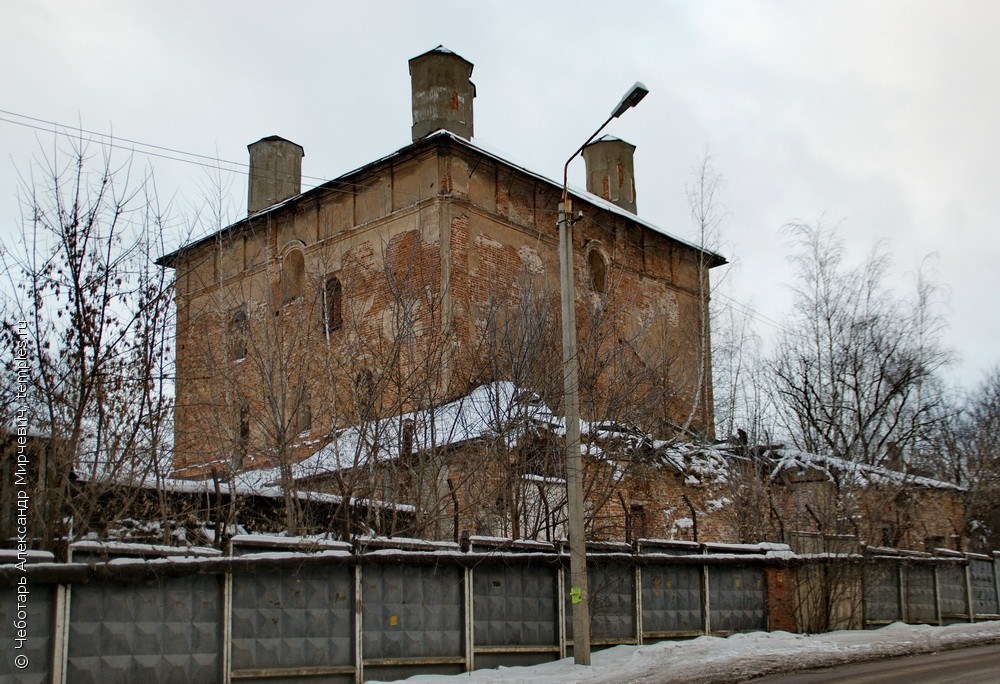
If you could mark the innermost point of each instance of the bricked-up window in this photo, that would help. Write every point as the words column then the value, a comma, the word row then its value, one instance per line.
column 598, row 271
column 364, row 394
column 241, row 434
column 333, row 304
column 293, row 276
column 302, row 420
column 237, row 335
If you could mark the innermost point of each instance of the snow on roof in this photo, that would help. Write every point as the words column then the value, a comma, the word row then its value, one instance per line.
column 859, row 474
column 262, row 483
column 498, row 409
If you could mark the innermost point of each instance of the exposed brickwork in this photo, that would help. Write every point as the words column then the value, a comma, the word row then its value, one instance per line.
column 443, row 258
column 781, row 601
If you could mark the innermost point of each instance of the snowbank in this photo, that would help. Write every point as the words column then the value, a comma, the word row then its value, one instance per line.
column 740, row 656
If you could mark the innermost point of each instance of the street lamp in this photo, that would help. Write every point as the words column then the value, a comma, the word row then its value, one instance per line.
column 579, row 594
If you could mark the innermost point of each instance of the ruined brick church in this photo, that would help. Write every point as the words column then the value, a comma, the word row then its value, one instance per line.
column 392, row 337
column 412, row 280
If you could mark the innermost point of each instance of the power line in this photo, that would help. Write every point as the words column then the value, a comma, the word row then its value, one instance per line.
column 64, row 130
column 242, row 168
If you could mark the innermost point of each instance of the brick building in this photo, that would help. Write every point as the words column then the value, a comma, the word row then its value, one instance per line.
column 417, row 278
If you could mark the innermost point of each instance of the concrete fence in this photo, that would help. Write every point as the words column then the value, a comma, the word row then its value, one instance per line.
column 280, row 610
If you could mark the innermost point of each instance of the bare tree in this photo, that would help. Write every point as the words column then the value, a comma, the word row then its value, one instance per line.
column 91, row 306
column 967, row 451
column 853, row 370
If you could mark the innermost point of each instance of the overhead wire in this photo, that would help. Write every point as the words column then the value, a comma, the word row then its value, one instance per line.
column 242, row 168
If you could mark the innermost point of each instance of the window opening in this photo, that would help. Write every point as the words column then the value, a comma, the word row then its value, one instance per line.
column 293, row 276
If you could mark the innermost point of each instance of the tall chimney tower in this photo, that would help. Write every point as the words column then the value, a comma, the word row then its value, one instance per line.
column 442, row 93
column 610, row 171
column 275, row 172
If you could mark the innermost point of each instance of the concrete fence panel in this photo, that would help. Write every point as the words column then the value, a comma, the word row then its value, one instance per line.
column 671, row 601
column 516, row 609
column 165, row 630
column 883, row 600
column 736, row 598
column 953, row 595
column 413, row 620
column 34, row 616
column 289, row 622
column 984, row 588
column 921, row 598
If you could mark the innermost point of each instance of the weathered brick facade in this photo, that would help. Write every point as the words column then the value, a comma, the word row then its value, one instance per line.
column 446, row 259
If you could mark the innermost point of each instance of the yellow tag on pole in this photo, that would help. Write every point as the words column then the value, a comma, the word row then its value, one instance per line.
column 574, row 595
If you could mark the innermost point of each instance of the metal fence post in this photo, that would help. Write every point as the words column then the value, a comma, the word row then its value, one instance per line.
column 706, row 602
column 937, row 595
column 638, row 604
column 470, row 634
column 968, row 591
column 227, row 627
column 561, row 610
column 996, row 577
column 60, row 633
column 904, row 603
column 359, row 664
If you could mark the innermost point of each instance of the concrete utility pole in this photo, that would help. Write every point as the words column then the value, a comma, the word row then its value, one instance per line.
column 578, row 591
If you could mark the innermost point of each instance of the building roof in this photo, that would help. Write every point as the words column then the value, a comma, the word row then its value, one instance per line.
column 502, row 410
column 348, row 179
column 440, row 50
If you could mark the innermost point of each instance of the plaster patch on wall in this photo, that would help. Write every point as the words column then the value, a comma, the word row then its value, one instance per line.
column 486, row 241
column 531, row 260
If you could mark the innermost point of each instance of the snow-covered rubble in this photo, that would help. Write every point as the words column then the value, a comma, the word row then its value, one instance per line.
column 739, row 657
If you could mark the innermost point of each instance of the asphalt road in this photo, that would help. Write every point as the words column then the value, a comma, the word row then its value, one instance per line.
column 967, row 665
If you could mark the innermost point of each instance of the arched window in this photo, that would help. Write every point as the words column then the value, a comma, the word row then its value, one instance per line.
column 598, row 271
column 293, row 276
column 333, row 311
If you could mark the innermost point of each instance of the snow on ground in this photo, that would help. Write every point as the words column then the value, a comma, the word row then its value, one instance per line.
column 739, row 657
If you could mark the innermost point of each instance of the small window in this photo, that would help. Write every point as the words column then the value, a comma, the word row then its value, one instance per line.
column 241, row 442
column 333, row 304
column 238, row 335
column 598, row 271
column 293, row 276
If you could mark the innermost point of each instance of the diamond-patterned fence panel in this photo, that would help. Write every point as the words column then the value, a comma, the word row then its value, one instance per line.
column 920, row 604
column 736, row 599
column 612, row 602
column 515, row 605
column 951, row 581
column 411, row 612
column 882, row 599
column 671, row 599
column 160, row 631
column 984, row 587
column 37, row 621
column 293, row 618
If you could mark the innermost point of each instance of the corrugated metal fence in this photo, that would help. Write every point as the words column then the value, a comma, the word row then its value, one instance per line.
column 286, row 610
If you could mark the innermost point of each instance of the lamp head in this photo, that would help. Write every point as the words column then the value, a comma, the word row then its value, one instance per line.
column 633, row 98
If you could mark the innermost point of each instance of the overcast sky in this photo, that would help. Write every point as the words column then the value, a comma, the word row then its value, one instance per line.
column 884, row 116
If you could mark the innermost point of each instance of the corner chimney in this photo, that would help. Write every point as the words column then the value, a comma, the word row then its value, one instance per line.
column 442, row 93
column 275, row 172
column 610, row 171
